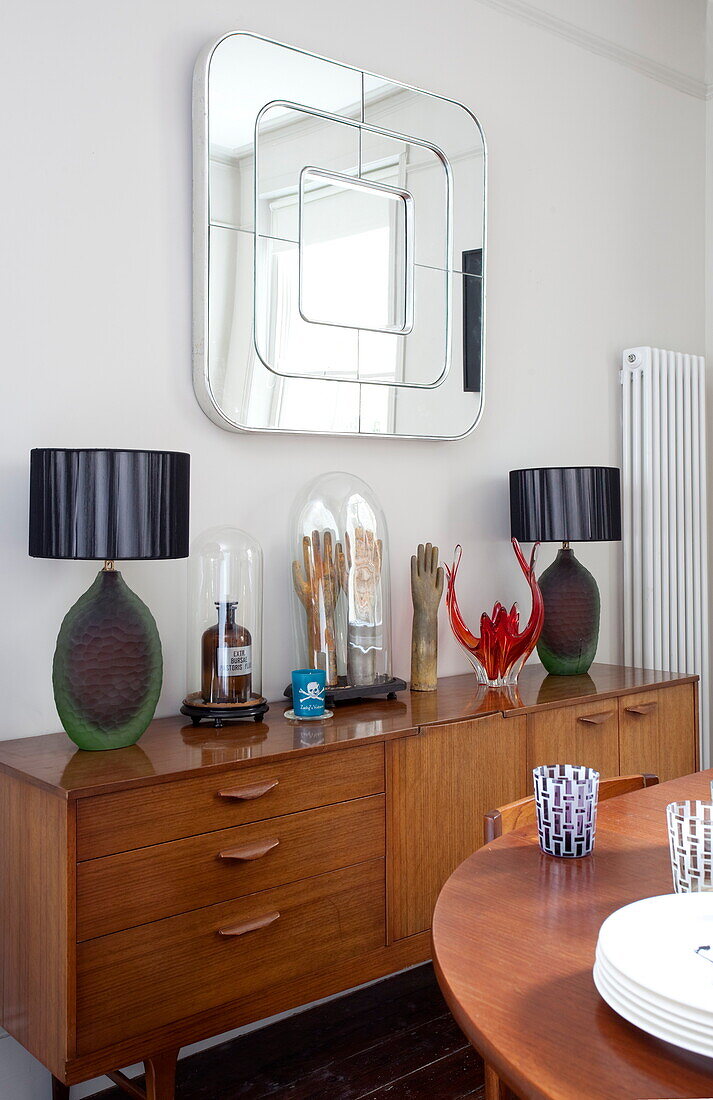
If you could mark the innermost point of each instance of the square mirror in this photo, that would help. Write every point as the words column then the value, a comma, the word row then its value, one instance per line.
column 339, row 248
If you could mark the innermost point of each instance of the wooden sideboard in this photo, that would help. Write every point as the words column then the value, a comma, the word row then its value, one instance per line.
column 203, row 879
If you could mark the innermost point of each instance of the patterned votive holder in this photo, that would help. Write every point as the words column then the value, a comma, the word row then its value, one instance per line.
column 690, row 838
column 566, row 800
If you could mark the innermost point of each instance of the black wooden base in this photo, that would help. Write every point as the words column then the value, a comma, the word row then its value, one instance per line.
column 349, row 693
column 218, row 715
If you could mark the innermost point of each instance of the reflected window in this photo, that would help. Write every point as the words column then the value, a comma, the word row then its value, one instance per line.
column 370, row 279
column 356, row 267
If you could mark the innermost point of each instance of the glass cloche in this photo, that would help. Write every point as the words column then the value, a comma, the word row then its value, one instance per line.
column 224, row 628
column 340, row 578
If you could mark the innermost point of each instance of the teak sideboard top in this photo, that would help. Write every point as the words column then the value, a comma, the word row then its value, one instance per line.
column 173, row 748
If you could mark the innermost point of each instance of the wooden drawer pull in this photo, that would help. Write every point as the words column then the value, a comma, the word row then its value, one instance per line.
column 641, row 708
column 597, row 719
column 250, row 925
column 256, row 850
column 245, row 794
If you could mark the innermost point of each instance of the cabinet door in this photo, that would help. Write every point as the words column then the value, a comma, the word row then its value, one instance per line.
column 658, row 732
column 586, row 734
column 439, row 785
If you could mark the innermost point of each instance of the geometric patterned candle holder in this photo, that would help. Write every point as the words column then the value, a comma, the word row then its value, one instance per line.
column 566, row 800
column 690, row 837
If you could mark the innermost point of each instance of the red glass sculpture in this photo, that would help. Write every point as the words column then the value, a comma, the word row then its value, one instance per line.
column 498, row 655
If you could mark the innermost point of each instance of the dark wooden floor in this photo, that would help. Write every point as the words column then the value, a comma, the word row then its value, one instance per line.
column 394, row 1040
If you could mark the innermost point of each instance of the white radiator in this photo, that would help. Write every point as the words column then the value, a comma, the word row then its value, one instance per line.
column 664, row 517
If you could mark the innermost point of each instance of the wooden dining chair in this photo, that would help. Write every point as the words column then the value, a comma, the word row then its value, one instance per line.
column 516, row 815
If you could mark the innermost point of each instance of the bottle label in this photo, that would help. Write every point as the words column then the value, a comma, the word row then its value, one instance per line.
column 234, row 660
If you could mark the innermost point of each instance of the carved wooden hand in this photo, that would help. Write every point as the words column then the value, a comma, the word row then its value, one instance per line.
column 426, row 592
column 315, row 582
column 358, row 567
column 365, row 567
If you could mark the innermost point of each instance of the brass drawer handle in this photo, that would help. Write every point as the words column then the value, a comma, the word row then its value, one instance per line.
column 250, row 925
column 256, row 850
column 245, row 794
column 597, row 719
column 641, row 708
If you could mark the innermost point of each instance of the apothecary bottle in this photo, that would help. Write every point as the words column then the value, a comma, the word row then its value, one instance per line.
column 339, row 552
column 226, row 659
column 225, row 618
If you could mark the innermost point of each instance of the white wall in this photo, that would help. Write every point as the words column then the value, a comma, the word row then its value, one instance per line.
column 651, row 32
column 596, row 243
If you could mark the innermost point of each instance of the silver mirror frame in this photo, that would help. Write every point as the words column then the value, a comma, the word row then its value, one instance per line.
column 201, row 255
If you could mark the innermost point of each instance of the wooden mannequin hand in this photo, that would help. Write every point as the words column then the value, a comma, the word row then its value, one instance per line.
column 317, row 586
column 426, row 592
column 426, row 580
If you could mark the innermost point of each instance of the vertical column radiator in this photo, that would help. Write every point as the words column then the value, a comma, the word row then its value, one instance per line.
column 664, row 517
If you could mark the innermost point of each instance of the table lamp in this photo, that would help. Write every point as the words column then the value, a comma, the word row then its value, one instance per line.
column 108, row 505
column 567, row 504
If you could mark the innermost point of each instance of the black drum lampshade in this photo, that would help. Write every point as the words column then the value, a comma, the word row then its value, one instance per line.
column 567, row 504
column 108, row 505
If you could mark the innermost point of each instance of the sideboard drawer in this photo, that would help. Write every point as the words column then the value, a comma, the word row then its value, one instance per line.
column 657, row 731
column 131, row 888
column 149, row 977
column 220, row 800
column 584, row 734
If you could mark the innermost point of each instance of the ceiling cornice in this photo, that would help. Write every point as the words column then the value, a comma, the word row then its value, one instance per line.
column 595, row 43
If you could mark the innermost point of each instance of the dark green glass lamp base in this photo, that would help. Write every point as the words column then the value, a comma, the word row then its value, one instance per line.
column 568, row 642
column 108, row 666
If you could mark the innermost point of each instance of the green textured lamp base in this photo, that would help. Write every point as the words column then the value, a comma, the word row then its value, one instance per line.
column 108, row 667
column 569, row 638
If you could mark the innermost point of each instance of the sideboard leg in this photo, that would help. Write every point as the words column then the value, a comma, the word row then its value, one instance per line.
column 59, row 1090
column 161, row 1075
column 495, row 1089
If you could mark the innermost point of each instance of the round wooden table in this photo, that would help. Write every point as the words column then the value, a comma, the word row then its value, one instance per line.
column 514, row 934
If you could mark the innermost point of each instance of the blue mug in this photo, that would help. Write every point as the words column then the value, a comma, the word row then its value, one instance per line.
column 308, row 692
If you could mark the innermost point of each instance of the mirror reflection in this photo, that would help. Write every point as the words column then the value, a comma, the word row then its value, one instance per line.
column 355, row 227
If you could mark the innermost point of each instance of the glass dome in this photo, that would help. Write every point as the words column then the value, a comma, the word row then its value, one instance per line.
column 224, row 676
column 340, row 578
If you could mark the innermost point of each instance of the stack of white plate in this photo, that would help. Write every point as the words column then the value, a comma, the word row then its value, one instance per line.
column 654, row 967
